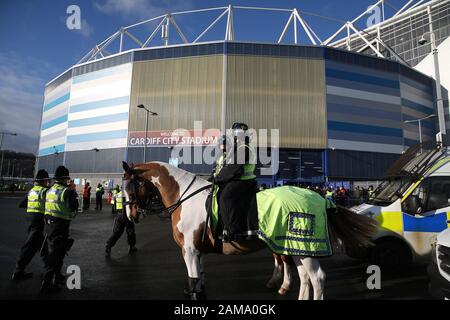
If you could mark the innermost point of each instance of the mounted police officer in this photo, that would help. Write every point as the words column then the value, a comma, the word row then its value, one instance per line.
column 234, row 173
column 121, row 223
column 35, row 204
column 61, row 205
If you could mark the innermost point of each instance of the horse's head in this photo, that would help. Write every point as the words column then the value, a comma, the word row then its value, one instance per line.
column 140, row 193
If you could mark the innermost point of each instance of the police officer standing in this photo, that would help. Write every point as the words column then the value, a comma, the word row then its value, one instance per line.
column 35, row 204
column 98, row 197
column 121, row 222
column 61, row 205
column 115, row 191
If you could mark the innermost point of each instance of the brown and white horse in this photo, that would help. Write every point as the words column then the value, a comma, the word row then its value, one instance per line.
column 142, row 182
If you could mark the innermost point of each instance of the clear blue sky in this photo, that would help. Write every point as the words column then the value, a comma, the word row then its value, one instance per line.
column 36, row 46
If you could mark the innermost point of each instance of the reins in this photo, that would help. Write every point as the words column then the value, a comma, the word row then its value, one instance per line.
column 167, row 212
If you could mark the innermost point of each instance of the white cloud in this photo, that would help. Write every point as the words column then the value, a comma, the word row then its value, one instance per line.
column 86, row 29
column 133, row 9
column 21, row 98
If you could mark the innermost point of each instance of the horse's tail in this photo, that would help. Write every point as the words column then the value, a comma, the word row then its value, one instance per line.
column 352, row 229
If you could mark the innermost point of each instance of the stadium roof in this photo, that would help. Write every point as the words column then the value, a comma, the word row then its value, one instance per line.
column 296, row 22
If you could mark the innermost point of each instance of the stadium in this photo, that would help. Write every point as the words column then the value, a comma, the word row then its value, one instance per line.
column 340, row 105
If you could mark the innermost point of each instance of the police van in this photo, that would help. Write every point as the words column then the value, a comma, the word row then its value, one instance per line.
column 412, row 206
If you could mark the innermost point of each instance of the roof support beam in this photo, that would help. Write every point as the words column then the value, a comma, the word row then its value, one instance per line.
column 150, row 38
column 365, row 40
column 286, row 27
column 177, row 28
column 211, row 25
column 302, row 22
column 229, row 33
column 128, row 33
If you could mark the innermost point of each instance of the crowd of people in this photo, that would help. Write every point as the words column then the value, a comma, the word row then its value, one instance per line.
column 340, row 195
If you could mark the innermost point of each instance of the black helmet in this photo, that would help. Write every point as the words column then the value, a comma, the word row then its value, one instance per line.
column 238, row 125
column 41, row 175
column 62, row 173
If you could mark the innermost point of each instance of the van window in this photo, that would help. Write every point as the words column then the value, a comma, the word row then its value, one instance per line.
column 416, row 201
column 439, row 194
column 432, row 194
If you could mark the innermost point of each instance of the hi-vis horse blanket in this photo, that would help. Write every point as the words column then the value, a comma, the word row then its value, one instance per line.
column 293, row 221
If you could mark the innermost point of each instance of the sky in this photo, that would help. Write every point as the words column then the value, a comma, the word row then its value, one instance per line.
column 36, row 45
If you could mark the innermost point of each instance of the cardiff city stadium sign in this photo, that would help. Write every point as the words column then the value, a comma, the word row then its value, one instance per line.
column 179, row 137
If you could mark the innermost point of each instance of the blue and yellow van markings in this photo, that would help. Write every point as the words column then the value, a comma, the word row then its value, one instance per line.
column 433, row 223
column 400, row 222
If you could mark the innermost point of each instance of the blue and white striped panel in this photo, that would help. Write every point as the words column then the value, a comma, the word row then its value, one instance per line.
column 54, row 119
column 363, row 109
column 99, row 105
column 417, row 102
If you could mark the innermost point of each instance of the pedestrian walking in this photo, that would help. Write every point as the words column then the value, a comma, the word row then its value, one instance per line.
column 86, row 196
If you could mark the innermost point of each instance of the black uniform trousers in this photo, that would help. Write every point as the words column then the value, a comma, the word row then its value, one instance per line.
column 121, row 223
column 57, row 240
column 98, row 202
column 34, row 240
column 235, row 201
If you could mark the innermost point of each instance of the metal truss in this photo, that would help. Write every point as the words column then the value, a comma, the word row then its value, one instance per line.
column 296, row 21
column 166, row 22
column 371, row 36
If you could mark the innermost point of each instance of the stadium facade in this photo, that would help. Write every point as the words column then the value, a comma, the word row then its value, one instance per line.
column 340, row 114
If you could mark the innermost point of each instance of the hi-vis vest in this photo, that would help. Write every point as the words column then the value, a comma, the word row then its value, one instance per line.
column 36, row 200
column 329, row 194
column 249, row 168
column 329, row 203
column 119, row 200
column 115, row 192
column 55, row 205
column 219, row 165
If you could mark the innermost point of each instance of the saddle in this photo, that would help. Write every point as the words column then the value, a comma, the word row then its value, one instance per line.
column 249, row 225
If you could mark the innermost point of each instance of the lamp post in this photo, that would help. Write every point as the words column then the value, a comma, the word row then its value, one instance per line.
column 93, row 162
column 55, row 154
column 141, row 106
column 440, row 105
column 1, row 145
column 420, row 126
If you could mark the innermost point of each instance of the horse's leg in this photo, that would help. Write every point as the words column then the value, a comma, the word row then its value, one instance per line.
column 305, row 284
column 202, row 273
column 202, row 279
column 192, row 261
column 287, row 279
column 316, row 274
column 275, row 281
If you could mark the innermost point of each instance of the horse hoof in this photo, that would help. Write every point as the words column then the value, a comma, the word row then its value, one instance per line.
column 283, row 291
column 194, row 295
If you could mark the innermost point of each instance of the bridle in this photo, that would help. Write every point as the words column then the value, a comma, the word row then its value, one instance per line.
column 147, row 208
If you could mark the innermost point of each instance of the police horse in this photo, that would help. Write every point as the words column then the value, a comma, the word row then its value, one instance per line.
column 184, row 196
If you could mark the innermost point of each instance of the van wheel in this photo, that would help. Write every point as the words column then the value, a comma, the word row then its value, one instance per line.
column 391, row 255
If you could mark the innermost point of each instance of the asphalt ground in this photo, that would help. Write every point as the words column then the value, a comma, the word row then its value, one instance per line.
column 157, row 270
